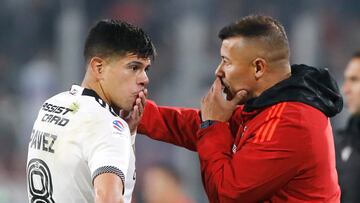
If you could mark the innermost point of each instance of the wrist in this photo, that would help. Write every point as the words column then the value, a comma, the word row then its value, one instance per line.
column 207, row 123
column 133, row 131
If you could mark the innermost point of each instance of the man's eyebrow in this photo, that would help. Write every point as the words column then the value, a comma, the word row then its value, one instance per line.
column 134, row 63
column 137, row 63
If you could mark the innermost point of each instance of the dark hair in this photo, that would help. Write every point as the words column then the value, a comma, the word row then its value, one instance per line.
column 257, row 26
column 114, row 37
column 356, row 54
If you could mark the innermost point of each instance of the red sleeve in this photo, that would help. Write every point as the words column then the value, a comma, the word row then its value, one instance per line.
column 254, row 172
column 170, row 124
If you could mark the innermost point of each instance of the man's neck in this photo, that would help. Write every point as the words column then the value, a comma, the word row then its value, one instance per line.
column 274, row 76
column 96, row 86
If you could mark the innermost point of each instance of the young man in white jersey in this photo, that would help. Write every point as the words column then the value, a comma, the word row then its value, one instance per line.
column 80, row 149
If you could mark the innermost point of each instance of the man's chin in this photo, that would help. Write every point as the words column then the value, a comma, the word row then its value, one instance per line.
column 128, row 108
column 124, row 107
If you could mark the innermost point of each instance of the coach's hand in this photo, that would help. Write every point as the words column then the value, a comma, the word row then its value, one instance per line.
column 133, row 117
column 215, row 107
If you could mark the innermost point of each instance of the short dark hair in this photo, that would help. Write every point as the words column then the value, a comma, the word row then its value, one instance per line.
column 257, row 26
column 114, row 37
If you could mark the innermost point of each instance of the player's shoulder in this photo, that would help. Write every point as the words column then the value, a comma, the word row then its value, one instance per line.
column 94, row 110
column 297, row 115
column 89, row 102
column 86, row 104
column 301, row 109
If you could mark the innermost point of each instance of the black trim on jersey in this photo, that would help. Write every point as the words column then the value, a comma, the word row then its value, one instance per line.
column 92, row 93
column 89, row 92
column 109, row 169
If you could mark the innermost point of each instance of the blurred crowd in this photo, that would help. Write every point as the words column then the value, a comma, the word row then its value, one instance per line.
column 41, row 54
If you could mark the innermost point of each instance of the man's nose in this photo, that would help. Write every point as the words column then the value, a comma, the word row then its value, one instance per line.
column 218, row 71
column 144, row 79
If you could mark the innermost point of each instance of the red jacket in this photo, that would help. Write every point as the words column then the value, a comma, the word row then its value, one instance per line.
column 278, row 153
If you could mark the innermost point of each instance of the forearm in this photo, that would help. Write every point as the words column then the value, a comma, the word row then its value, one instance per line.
column 108, row 198
column 213, row 154
column 170, row 124
column 108, row 188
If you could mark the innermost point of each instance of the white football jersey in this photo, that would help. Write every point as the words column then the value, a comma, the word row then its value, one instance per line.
column 75, row 138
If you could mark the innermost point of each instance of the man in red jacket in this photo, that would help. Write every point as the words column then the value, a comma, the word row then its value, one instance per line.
column 277, row 146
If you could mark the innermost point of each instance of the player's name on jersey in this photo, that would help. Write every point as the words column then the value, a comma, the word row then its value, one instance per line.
column 42, row 141
column 55, row 119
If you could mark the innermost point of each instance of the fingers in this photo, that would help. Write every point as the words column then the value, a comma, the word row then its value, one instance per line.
column 139, row 107
column 140, row 104
column 135, row 113
column 133, row 117
column 142, row 96
column 215, row 92
column 145, row 93
column 240, row 97
column 202, row 107
column 217, row 85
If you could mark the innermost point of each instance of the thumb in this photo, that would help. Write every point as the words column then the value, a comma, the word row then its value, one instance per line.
column 240, row 97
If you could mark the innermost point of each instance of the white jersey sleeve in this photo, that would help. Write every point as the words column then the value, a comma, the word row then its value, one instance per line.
column 108, row 148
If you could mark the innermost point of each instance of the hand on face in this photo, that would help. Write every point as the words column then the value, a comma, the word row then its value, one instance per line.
column 215, row 107
column 133, row 117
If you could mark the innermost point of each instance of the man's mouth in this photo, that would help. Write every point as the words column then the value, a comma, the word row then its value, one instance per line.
column 226, row 91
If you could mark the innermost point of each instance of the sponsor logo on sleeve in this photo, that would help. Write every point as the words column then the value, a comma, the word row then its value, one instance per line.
column 118, row 125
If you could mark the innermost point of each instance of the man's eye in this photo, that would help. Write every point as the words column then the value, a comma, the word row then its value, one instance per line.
column 134, row 68
column 147, row 69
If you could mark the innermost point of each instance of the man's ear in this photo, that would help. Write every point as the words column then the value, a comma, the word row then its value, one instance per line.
column 260, row 66
column 97, row 67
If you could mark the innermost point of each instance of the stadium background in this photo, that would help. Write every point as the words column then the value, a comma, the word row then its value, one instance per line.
column 41, row 45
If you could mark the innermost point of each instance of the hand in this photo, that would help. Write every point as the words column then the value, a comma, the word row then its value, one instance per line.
column 133, row 117
column 215, row 107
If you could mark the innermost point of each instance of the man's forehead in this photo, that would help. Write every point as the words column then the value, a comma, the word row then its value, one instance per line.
column 226, row 47
column 239, row 47
column 232, row 42
column 237, row 44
